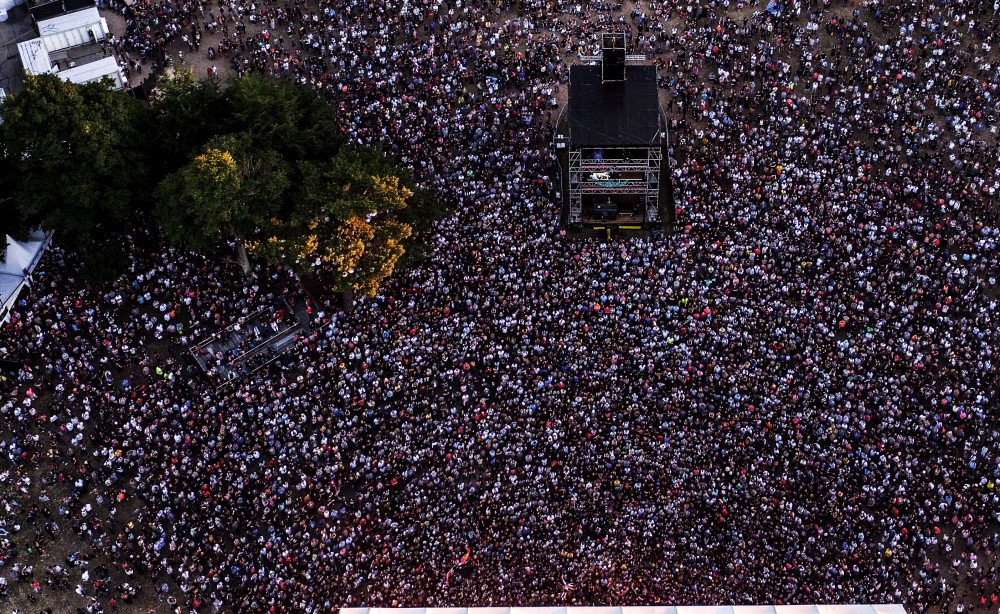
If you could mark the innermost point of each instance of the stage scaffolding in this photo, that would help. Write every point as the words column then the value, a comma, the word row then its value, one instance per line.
column 582, row 181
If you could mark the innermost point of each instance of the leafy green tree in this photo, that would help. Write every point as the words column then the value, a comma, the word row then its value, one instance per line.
column 13, row 221
column 321, row 186
column 268, row 171
column 352, row 183
column 187, row 113
column 77, row 157
column 263, row 173
column 198, row 205
column 280, row 115
column 221, row 196
column 344, row 228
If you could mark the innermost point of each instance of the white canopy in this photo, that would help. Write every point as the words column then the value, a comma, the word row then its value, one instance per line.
column 20, row 259
column 92, row 71
column 35, row 57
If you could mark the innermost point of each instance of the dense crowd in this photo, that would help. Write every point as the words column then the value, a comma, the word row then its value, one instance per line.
column 791, row 399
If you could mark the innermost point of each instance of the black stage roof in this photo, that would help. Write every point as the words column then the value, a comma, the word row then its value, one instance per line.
column 616, row 113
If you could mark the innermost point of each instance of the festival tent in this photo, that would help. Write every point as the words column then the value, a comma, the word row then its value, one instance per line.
column 20, row 259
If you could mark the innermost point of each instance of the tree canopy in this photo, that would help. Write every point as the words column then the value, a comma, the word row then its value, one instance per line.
column 185, row 116
column 200, row 204
column 74, row 157
column 281, row 115
column 275, row 179
column 344, row 226
column 14, row 221
column 257, row 163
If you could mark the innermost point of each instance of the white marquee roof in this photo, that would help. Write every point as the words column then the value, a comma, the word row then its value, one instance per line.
column 21, row 255
column 92, row 71
column 19, row 259
column 35, row 57
column 70, row 21
column 717, row 609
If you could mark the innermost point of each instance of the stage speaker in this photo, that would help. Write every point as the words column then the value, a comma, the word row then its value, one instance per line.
column 613, row 57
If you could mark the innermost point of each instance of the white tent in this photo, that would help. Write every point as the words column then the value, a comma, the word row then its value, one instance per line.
column 62, row 48
column 6, row 5
column 92, row 71
column 719, row 609
column 20, row 259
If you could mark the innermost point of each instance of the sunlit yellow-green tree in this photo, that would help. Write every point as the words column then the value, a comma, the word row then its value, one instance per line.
column 271, row 178
column 343, row 229
column 220, row 198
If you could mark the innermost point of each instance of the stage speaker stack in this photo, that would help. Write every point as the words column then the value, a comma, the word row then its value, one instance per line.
column 613, row 57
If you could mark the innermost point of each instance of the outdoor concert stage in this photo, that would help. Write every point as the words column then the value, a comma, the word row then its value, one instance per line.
column 612, row 143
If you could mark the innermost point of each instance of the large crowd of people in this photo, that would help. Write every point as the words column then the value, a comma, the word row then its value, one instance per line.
column 789, row 399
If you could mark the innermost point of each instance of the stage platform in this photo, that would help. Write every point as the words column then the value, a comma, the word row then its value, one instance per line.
column 252, row 343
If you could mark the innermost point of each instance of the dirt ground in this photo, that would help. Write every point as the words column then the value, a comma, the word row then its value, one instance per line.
column 55, row 549
column 198, row 61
